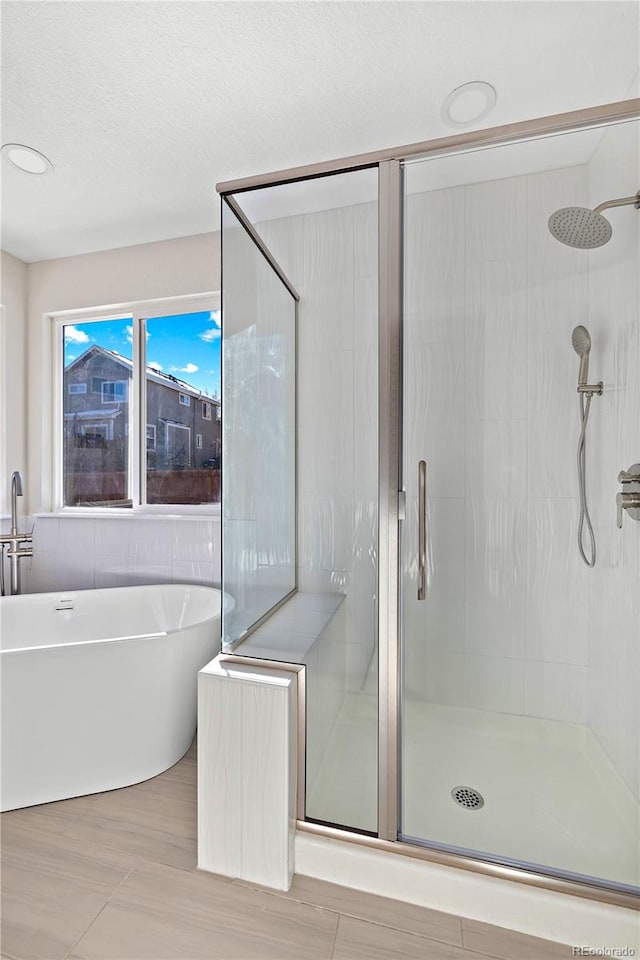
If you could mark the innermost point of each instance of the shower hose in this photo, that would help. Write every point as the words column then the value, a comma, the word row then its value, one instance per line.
column 589, row 556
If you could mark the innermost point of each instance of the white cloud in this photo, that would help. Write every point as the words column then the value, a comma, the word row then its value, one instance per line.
column 214, row 332
column 208, row 336
column 74, row 335
column 154, row 366
column 189, row 368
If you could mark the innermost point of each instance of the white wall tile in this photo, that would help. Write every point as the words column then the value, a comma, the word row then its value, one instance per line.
column 480, row 682
column 72, row 576
column 76, row 538
column 194, row 571
column 554, row 419
column 496, row 345
column 558, row 585
column 45, row 534
column 434, row 266
column 112, row 538
column 365, row 246
column 152, row 543
column 326, row 425
column 495, row 220
column 327, row 533
column 434, row 417
column 557, row 691
column 42, row 573
column 326, row 322
column 496, row 576
column 194, row 539
column 496, row 460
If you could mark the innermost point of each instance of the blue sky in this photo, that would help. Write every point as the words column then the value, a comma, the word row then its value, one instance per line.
column 185, row 345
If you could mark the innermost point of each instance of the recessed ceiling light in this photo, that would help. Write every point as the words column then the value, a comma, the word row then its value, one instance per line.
column 468, row 104
column 26, row 158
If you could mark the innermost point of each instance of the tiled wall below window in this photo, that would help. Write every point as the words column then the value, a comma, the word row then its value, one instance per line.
column 74, row 553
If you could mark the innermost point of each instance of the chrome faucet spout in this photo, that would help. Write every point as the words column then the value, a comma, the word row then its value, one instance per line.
column 16, row 491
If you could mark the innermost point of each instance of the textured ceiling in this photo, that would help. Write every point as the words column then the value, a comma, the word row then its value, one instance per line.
column 143, row 106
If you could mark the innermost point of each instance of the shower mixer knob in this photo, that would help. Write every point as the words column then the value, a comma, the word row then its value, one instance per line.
column 629, row 502
column 632, row 475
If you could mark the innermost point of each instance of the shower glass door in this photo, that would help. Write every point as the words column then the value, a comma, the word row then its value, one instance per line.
column 521, row 664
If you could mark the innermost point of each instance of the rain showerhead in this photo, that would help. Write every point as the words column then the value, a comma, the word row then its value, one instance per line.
column 580, row 227
column 584, row 228
column 581, row 343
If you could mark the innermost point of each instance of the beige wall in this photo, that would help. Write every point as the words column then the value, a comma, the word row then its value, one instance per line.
column 169, row 268
column 13, row 296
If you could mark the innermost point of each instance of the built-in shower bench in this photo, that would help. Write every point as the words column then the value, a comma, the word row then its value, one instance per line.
column 248, row 736
column 292, row 632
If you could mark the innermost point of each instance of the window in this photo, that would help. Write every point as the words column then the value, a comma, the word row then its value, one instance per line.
column 114, row 391
column 124, row 417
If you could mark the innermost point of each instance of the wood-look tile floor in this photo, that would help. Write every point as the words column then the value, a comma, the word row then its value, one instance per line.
column 113, row 877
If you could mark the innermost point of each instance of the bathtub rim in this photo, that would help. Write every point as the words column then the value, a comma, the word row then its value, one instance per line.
column 120, row 639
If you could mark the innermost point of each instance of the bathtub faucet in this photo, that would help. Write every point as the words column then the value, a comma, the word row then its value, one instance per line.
column 16, row 491
column 19, row 544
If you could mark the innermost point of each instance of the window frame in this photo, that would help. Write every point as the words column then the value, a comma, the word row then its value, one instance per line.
column 137, row 312
column 206, row 405
column 77, row 393
column 184, row 400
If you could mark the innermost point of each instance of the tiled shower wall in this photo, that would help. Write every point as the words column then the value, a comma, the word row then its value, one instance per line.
column 75, row 553
column 331, row 258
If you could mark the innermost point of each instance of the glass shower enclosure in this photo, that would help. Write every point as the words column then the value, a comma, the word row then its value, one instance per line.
column 401, row 499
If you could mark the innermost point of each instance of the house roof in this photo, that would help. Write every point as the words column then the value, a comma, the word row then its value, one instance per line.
column 167, row 379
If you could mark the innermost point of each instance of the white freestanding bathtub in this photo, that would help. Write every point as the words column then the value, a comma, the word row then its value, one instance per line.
column 99, row 686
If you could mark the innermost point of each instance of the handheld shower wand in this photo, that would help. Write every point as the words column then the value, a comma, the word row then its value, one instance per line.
column 581, row 342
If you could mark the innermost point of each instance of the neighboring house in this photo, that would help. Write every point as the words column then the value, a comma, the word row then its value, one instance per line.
column 182, row 424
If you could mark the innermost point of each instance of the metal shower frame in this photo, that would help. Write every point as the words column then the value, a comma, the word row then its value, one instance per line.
column 390, row 164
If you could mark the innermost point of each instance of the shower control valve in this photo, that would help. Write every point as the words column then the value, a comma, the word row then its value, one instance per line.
column 629, row 502
column 630, row 499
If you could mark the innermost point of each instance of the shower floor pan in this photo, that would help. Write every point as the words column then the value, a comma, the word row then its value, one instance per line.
column 551, row 795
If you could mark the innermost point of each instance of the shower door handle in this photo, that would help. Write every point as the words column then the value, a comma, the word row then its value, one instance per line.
column 422, row 529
